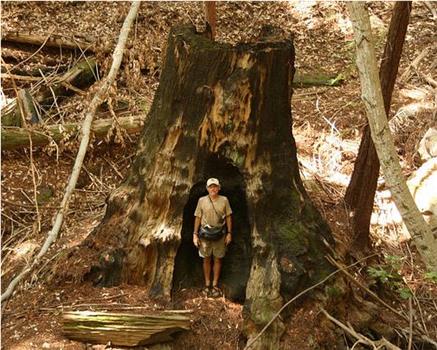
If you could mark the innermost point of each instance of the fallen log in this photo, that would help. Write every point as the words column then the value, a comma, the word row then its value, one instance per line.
column 80, row 76
column 123, row 329
column 309, row 80
column 14, row 137
column 51, row 40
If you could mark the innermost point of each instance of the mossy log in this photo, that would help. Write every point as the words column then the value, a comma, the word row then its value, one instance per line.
column 221, row 111
column 15, row 138
column 81, row 75
column 309, row 80
column 123, row 329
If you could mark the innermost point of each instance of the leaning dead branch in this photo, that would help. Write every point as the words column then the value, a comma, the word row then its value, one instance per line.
column 86, row 130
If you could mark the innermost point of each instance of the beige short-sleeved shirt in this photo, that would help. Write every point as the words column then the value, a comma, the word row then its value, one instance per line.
column 205, row 211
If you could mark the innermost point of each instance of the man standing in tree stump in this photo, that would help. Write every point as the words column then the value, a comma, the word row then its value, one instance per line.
column 212, row 233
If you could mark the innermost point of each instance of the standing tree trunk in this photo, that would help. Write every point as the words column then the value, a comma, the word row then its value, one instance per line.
column 211, row 17
column 373, row 100
column 361, row 190
column 219, row 111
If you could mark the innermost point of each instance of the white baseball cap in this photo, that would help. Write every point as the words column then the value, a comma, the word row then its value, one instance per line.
column 212, row 181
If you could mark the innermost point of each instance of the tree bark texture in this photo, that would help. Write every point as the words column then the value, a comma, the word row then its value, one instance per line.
column 373, row 100
column 219, row 111
column 361, row 190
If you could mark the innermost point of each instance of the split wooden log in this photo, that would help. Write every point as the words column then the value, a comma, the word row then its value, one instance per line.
column 123, row 329
column 15, row 138
column 80, row 76
column 51, row 40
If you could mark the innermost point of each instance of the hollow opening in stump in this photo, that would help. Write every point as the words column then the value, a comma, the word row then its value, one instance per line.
column 236, row 264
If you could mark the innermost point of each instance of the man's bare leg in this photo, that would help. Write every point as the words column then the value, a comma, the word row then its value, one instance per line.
column 217, row 269
column 207, row 270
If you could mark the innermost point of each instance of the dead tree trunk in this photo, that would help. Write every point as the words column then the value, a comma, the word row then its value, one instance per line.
column 219, row 110
column 361, row 190
column 373, row 100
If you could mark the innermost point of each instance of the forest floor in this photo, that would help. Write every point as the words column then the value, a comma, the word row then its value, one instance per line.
column 327, row 124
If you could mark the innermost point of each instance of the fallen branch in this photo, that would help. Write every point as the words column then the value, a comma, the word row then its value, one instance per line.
column 51, row 40
column 430, row 7
column 414, row 64
column 81, row 75
column 309, row 80
column 375, row 344
column 19, row 77
column 123, row 329
column 86, row 129
column 14, row 138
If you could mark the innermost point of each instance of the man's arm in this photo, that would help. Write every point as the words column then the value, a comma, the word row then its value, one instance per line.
column 196, row 231
column 228, row 238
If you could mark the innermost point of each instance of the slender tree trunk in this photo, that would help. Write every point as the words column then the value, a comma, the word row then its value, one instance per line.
column 361, row 190
column 221, row 111
column 373, row 100
column 211, row 17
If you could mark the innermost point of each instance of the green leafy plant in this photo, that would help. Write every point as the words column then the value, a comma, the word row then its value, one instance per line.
column 381, row 274
column 431, row 276
column 405, row 293
column 388, row 275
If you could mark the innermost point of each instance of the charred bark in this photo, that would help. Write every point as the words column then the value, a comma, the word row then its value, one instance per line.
column 361, row 190
column 219, row 110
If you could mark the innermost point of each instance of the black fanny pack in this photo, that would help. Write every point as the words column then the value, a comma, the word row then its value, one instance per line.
column 212, row 233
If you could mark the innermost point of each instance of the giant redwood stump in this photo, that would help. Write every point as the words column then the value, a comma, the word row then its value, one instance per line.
column 221, row 111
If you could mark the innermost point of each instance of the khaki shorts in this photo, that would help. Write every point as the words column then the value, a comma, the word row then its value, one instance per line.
column 215, row 248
